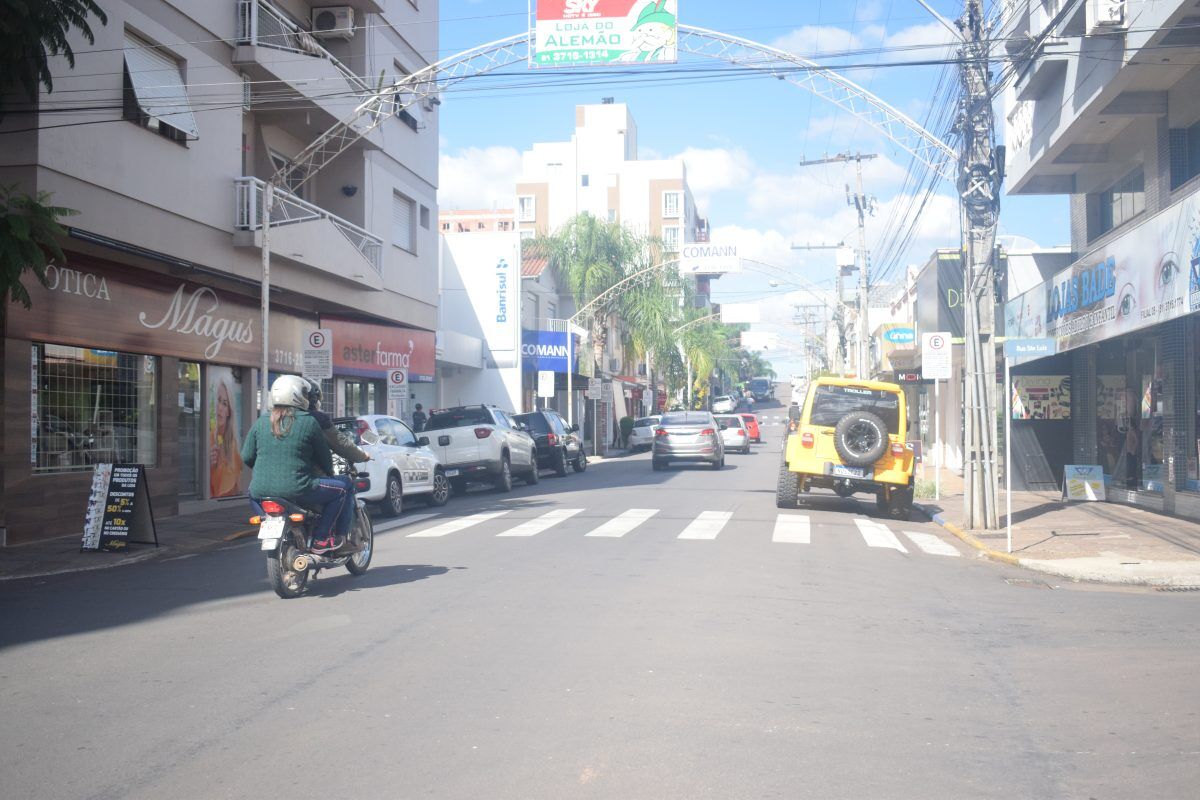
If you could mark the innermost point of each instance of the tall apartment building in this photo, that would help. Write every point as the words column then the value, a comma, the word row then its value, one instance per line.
column 145, row 346
column 1106, row 109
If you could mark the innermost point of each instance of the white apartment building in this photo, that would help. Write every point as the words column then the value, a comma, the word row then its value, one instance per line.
column 1105, row 108
column 146, row 344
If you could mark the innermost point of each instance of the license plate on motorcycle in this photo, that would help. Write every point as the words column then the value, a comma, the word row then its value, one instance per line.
column 270, row 531
column 842, row 471
column 451, row 473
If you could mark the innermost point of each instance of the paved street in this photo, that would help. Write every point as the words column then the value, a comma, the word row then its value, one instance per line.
column 618, row 634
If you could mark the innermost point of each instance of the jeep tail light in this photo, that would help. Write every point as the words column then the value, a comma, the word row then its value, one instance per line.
column 897, row 449
column 552, row 439
column 271, row 507
column 807, row 439
column 483, row 433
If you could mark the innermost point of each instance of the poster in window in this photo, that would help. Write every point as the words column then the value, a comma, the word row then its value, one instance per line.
column 227, row 477
column 1041, row 397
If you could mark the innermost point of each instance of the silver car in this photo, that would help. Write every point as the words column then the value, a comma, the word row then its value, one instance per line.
column 734, row 433
column 687, row 436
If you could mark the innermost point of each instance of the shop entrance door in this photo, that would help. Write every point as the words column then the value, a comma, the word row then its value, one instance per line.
column 359, row 397
column 190, row 430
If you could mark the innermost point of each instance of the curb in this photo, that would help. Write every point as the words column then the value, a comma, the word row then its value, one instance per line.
column 940, row 519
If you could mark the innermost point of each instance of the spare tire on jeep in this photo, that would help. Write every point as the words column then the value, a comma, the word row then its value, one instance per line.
column 860, row 439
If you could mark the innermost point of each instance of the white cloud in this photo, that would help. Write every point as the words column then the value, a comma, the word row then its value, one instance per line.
column 715, row 169
column 814, row 40
column 478, row 177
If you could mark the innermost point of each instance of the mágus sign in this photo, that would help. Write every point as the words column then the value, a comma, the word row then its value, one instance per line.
column 544, row 351
column 705, row 258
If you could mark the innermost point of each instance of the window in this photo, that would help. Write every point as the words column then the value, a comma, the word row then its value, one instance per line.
column 1185, row 154
column 155, row 94
column 402, row 222
column 425, row 217
column 831, row 403
column 526, row 208
column 480, row 226
column 408, row 115
column 527, row 235
column 671, row 238
column 92, row 407
column 1124, row 201
column 583, row 180
column 445, row 226
column 671, row 202
column 401, row 434
column 296, row 182
column 612, row 215
column 504, row 225
column 551, row 311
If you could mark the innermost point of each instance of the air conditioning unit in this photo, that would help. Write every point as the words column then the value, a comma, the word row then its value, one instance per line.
column 333, row 22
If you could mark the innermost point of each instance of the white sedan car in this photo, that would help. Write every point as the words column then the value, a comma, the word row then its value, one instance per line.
column 642, row 435
column 724, row 404
column 734, row 433
column 401, row 465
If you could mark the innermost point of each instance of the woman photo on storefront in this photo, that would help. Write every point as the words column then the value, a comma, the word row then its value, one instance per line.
column 224, row 456
column 289, row 454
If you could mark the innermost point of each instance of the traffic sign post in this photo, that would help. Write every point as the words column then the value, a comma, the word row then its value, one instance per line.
column 318, row 355
column 545, row 383
column 397, row 391
column 936, row 365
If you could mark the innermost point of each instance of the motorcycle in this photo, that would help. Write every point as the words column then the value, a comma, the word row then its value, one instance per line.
column 285, row 535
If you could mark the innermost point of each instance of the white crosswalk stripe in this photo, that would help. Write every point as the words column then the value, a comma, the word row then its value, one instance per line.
column 624, row 523
column 792, row 529
column 538, row 524
column 877, row 535
column 932, row 544
column 456, row 525
column 707, row 525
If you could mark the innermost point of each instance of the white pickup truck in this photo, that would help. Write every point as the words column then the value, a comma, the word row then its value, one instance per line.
column 481, row 444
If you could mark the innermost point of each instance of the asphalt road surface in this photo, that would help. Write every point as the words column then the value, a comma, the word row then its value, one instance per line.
column 617, row 634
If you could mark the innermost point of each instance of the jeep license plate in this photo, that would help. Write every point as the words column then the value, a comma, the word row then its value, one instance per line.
column 842, row 471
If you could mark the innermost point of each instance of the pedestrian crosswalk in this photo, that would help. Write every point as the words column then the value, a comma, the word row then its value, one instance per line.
column 787, row 528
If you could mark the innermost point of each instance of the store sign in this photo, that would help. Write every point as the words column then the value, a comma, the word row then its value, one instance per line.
column 1083, row 482
column 368, row 350
column 572, row 33
column 487, row 265
column 96, row 303
column 899, row 335
column 1021, row 350
column 545, row 350
column 1151, row 274
column 705, row 258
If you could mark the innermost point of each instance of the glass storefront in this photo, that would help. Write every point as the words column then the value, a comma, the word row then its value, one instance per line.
column 1131, row 377
column 91, row 407
column 188, row 430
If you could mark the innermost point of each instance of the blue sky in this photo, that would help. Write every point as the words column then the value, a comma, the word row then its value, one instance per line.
column 741, row 135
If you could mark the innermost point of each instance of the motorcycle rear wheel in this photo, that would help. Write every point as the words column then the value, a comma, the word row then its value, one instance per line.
column 286, row 582
column 363, row 534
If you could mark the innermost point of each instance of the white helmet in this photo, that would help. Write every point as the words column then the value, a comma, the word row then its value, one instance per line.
column 290, row 390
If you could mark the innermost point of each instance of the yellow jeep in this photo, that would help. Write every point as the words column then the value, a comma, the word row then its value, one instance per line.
column 849, row 436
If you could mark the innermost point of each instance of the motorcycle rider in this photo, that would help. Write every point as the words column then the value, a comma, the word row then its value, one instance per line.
column 289, row 455
column 339, row 446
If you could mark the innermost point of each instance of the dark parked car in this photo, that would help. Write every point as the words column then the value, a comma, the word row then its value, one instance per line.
column 556, row 441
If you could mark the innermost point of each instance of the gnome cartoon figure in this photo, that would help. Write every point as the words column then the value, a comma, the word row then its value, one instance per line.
column 653, row 34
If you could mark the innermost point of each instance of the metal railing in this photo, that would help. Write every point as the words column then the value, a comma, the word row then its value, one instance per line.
column 262, row 24
column 288, row 209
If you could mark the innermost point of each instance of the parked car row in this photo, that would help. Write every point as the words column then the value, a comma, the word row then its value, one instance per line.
column 700, row 436
column 458, row 447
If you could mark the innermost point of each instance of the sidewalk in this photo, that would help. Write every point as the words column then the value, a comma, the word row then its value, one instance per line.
column 177, row 536
column 1105, row 542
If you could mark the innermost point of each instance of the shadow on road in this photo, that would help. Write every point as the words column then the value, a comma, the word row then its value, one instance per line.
column 334, row 584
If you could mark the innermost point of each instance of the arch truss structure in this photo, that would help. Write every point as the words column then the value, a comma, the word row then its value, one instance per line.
column 424, row 87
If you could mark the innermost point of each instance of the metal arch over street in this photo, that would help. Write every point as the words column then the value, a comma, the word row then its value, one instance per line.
column 426, row 84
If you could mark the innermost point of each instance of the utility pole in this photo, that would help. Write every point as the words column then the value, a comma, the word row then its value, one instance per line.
column 979, row 192
column 864, row 204
column 839, row 314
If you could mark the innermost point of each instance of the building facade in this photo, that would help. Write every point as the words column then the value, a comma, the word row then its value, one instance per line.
column 146, row 343
column 1112, row 119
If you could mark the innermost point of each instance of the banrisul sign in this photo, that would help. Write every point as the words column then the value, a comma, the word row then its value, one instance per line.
column 574, row 33
column 544, row 351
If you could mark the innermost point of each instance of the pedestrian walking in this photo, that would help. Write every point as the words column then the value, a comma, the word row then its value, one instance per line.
column 418, row 418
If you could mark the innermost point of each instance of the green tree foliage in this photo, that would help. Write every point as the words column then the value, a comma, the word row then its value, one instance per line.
column 33, row 31
column 29, row 238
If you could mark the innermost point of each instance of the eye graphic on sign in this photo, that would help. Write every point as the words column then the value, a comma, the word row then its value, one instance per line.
column 316, row 339
column 1126, row 301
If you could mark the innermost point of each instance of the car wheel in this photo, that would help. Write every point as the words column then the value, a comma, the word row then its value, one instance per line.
column 441, row 490
column 719, row 464
column 393, row 499
column 458, row 485
column 787, row 487
column 658, row 464
column 900, row 506
column 504, row 481
column 580, row 463
column 560, row 464
column 533, row 476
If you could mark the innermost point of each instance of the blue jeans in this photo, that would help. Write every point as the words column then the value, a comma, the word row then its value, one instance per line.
column 335, row 498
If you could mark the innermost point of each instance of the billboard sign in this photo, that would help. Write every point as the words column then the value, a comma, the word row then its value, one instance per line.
column 576, row 33
column 740, row 313
column 543, row 351
column 707, row 258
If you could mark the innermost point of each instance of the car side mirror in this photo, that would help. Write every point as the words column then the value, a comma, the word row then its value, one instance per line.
column 423, row 441
column 369, row 437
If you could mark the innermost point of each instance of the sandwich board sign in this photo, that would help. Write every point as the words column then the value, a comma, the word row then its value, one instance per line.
column 118, row 510
column 1083, row 482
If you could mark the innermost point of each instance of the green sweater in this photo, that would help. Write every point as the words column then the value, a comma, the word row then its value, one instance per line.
column 286, row 467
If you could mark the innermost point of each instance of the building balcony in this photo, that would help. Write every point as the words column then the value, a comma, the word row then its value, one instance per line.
column 308, row 234
column 273, row 49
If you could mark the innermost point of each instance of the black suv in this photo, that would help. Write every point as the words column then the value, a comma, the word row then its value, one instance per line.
column 557, row 444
